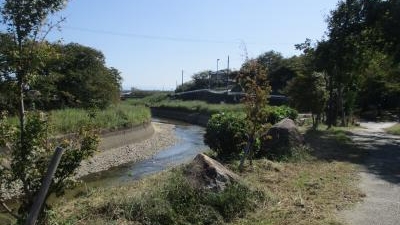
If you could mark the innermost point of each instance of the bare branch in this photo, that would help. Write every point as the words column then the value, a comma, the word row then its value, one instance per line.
column 52, row 26
column 9, row 210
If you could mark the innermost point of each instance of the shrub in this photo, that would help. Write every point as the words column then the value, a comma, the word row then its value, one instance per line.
column 226, row 134
column 177, row 202
column 275, row 114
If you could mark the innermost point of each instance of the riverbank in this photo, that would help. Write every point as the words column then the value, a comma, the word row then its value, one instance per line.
column 192, row 117
column 308, row 189
column 162, row 138
column 144, row 143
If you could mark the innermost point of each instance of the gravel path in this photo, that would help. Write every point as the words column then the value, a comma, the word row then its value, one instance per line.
column 380, row 177
column 163, row 137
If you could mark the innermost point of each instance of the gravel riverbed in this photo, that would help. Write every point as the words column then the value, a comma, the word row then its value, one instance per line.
column 162, row 138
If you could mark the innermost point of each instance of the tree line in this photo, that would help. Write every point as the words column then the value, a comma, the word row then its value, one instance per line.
column 354, row 69
column 68, row 75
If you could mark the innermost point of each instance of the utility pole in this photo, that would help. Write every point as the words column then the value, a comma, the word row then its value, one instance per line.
column 182, row 79
column 216, row 75
column 227, row 76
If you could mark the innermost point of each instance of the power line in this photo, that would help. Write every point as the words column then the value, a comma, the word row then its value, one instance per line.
column 166, row 38
column 152, row 37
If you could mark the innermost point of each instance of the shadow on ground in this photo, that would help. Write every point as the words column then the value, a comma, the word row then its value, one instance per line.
column 376, row 152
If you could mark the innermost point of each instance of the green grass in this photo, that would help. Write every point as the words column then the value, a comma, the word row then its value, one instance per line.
column 112, row 118
column 306, row 191
column 194, row 106
column 115, row 117
column 162, row 100
column 166, row 198
column 394, row 129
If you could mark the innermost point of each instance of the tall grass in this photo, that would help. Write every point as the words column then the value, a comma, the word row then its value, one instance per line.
column 112, row 118
column 115, row 117
column 164, row 199
column 162, row 100
column 200, row 106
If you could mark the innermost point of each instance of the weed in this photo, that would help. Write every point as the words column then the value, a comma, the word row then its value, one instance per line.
column 395, row 129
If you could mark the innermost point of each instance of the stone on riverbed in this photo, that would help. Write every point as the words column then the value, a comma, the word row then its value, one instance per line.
column 206, row 173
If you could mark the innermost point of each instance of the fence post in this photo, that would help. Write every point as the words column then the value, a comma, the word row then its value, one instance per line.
column 44, row 188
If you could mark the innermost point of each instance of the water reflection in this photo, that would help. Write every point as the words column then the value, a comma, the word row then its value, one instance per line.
column 189, row 145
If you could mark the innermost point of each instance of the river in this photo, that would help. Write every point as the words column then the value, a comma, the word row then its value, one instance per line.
column 190, row 143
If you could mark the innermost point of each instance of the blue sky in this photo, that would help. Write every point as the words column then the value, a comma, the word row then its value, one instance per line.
column 152, row 41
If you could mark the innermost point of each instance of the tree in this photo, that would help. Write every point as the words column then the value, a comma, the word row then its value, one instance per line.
column 313, row 99
column 22, row 61
column 77, row 77
column 280, row 69
column 29, row 159
column 25, row 21
column 360, row 33
column 254, row 82
column 199, row 80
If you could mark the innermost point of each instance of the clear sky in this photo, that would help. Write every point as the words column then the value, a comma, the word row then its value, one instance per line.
column 152, row 41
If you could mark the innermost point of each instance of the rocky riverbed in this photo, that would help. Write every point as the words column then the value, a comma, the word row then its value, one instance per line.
column 162, row 138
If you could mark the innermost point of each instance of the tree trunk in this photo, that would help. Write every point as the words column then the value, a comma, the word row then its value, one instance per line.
column 341, row 106
column 313, row 121
column 247, row 150
column 329, row 114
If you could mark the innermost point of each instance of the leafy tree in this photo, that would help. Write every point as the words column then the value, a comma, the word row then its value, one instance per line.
column 78, row 77
column 254, row 82
column 22, row 60
column 361, row 57
column 280, row 69
column 29, row 158
column 199, row 80
column 25, row 25
column 308, row 93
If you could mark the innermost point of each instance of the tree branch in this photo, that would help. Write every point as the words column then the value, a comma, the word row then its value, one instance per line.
column 9, row 210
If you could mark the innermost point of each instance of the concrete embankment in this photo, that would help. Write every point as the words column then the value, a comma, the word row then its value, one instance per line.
column 122, row 137
column 120, row 147
column 125, row 149
column 181, row 115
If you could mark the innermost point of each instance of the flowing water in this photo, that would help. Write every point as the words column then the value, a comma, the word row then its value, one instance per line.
column 190, row 143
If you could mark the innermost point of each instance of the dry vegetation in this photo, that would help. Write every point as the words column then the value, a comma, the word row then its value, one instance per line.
column 308, row 189
column 395, row 129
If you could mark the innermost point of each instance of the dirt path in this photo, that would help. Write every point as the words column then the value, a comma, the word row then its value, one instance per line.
column 380, row 177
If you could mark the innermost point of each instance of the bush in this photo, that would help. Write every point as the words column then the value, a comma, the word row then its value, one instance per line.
column 226, row 134
column 275, row 114
column 177, row 202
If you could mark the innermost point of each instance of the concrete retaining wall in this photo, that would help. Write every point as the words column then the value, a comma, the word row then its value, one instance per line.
column 185, row 116
column 124, row 137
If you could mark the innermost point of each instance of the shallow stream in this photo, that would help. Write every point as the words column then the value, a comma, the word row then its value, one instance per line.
column 190, row 143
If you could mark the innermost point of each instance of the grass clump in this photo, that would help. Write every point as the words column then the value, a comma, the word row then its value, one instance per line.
column 395, row 129
column 115, row 117
column 167, row 199
column 200, row 106
column 112, row 118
